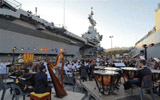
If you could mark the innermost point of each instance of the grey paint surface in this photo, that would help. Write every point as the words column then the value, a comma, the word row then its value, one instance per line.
column 151, row 51
column 24, row 28
column 9, row 39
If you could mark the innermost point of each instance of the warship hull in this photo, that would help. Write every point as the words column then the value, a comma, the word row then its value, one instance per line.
column 29, row 33
column 20, row 35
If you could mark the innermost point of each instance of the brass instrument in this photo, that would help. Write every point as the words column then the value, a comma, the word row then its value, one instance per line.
column 60, row 92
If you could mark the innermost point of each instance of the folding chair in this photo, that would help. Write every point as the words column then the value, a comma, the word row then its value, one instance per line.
column 146, row 84
column 21, row 93
column 69, row 80
column 4, row 86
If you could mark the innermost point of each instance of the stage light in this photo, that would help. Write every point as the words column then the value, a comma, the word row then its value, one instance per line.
column 144, row 46
column 22, row 49
column 56, row 50
column 45, row 49
column 151, row 45
column 41, row 49
column 61, row 49
column 34, row 49
column 52, row 50
column 14, row 48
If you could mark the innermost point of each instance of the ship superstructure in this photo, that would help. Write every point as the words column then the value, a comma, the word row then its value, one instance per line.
column 153, row 36
column 93, row 37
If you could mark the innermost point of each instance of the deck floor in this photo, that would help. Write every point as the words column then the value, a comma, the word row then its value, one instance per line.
column 71, row 96
column 91, row 88
column 120, row 94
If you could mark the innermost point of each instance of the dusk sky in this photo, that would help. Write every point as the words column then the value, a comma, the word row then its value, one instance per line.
column 127, row 20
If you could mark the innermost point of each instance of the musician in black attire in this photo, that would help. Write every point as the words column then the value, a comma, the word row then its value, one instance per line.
column 112, row 64
column 41, row 84
column 83, row 70
column 139, row 75
column 91, row 69
column 25, row 85
column 131, row 64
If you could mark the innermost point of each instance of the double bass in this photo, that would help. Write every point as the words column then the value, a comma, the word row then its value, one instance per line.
column 60, row 92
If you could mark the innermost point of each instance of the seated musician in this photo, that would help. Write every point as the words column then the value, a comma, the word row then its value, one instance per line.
column 66, row 70
column 102, row 63
column 41, row 84
column 139, row 75
column 112, row 64
column 47, row 72
column 25, row 87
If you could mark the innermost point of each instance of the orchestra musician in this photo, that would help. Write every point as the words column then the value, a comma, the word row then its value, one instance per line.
column 47, row 72
column 41, row 84
column 66, row 70
column 83, row 70
column 91, row 70
column 26, row 87
column 139, row 75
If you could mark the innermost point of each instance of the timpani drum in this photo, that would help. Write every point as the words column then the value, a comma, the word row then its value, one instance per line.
column 112, row 69
column 99, row 67
column 155, row 78
column 107, row 71
column 105, row 78
column 155, row 74
column 107, row 68
column 129, row 72
column 155, row 71
column 129, row 68
column 106, row 75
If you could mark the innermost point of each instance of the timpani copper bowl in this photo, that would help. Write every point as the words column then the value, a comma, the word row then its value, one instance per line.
column 105, row 80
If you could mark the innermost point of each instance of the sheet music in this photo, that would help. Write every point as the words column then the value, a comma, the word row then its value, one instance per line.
column 142, row 57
